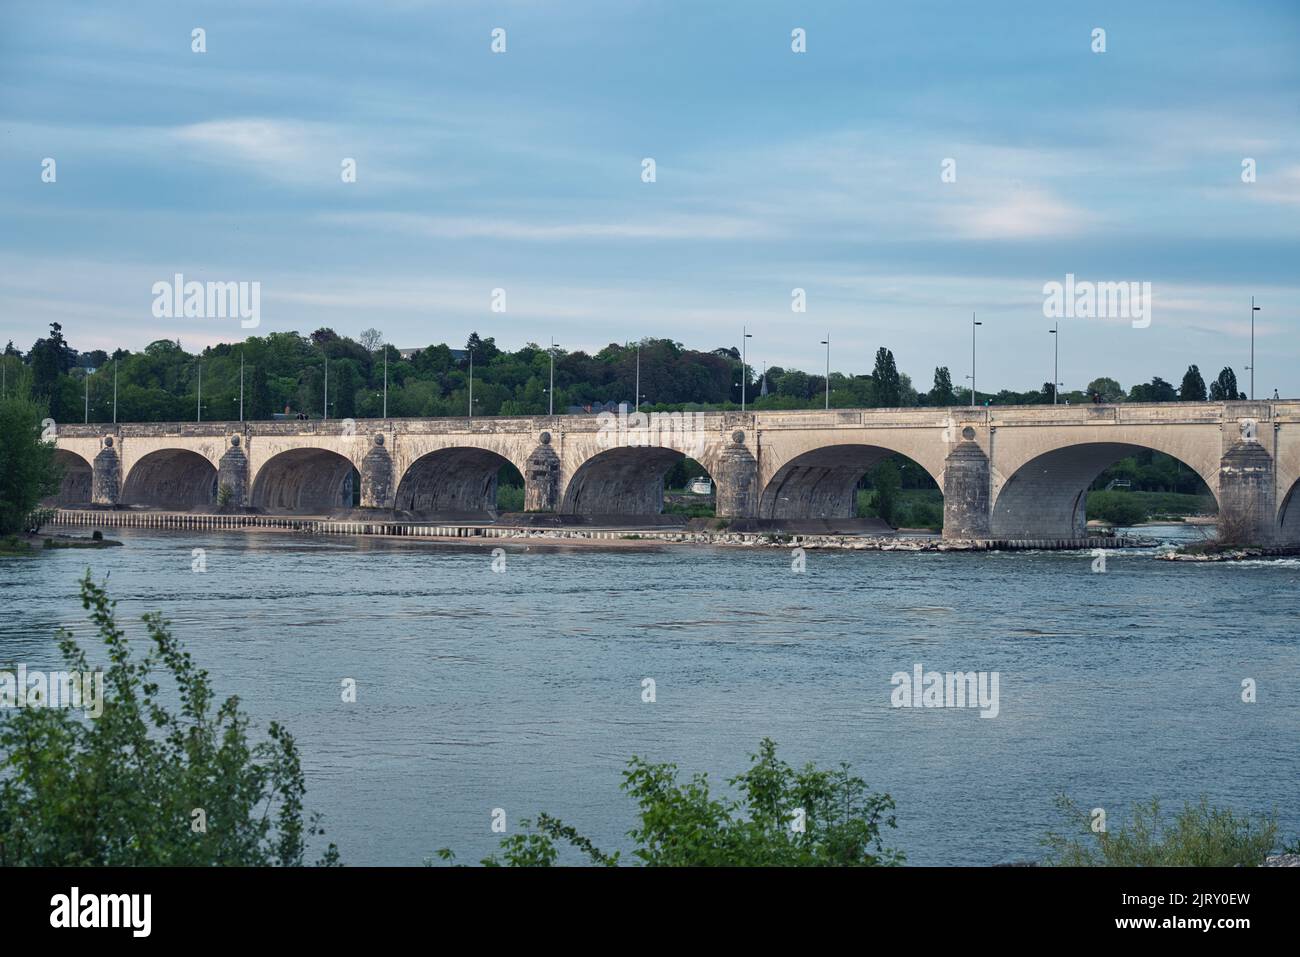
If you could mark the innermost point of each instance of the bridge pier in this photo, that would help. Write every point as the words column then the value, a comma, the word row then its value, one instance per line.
column 542, row 478
column 232, row 473
column 735, row 478
column 106, row 475
column 966, row 490
column 377, row 485
column 1247, row 495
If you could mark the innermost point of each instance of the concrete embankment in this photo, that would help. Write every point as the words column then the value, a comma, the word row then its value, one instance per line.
column 485, row 532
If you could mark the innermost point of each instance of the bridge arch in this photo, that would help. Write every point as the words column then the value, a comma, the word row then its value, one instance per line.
column 78, row 478
column 1288, row 515
column 170, row 478
column 305, row 479
column 822, row 482
column 1046, row 496
column 455, row 479
column 623, row 480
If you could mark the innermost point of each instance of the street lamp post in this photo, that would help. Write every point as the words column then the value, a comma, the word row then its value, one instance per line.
column 471, row 383
column 638, row 376
column 198, row 404
column 1055, row 332
column 827, row 343
column 115, row 392
column 744, row 375
column 550, row 393
column 325, row 414
column 241, row 385
column 1253, row 309
column 385, row 347
column 973, row 324
column 87, row 395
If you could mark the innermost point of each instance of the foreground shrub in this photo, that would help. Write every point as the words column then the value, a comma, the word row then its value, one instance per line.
column 1198, row 836
column 783, row 817
column 28, row 472
column 140, row 785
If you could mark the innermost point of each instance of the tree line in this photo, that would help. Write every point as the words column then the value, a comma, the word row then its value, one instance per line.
column 286, row 373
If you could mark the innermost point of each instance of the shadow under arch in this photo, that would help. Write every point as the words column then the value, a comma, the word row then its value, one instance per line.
column 460, row 480
column 1047, row 496
column 625, row 480
column 171, row 478
column 823, row 483
column 1288, row 516
column 77, row 484
column 305, row 480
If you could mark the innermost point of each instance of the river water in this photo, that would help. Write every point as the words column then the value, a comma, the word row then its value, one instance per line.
column 522, row 689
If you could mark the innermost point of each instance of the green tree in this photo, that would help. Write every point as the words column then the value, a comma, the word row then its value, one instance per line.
column 1118, row 508
column 782, row 817
column 262, row 406
column 1157, row 390
column 1109, row 389
column 1224, row 388
column 51, row 358
column 122, row 788
column 885, row 479
column 28, row 472
column 888, row 388
column 941, row 393
column 344, row 391
column 1193, row 387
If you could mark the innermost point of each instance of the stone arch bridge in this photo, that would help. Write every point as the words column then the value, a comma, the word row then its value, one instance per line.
column 1014, row 472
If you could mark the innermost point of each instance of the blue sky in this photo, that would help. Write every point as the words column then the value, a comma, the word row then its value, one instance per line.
column 775, row 170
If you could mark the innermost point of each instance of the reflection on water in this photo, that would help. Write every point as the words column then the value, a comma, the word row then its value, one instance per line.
column 522, row 690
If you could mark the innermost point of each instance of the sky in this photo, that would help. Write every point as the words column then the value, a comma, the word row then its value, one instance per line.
column 774, row 170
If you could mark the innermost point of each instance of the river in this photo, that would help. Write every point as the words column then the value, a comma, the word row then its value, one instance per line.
column 522, row 689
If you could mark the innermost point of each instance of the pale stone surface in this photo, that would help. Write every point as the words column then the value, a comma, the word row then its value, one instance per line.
column 1016, row 472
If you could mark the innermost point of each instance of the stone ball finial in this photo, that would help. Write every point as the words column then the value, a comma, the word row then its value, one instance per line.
column 379, row 439
column 108, row 442
column 968, row 433
column 234, row 441
column 738, row 437
column 546, row 438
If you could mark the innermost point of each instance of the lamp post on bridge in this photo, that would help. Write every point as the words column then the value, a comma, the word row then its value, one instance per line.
column 827, row 343
column 973, row 324
column 1056, row 361
column 550, row 393
column 745, row 336
column 1253, row 309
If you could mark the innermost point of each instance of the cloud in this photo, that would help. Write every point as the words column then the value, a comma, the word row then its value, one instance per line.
column 1281, row 188
column 669, row 227
column 1031, row 214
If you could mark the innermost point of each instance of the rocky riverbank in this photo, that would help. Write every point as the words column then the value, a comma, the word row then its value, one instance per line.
column 1229, row 554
